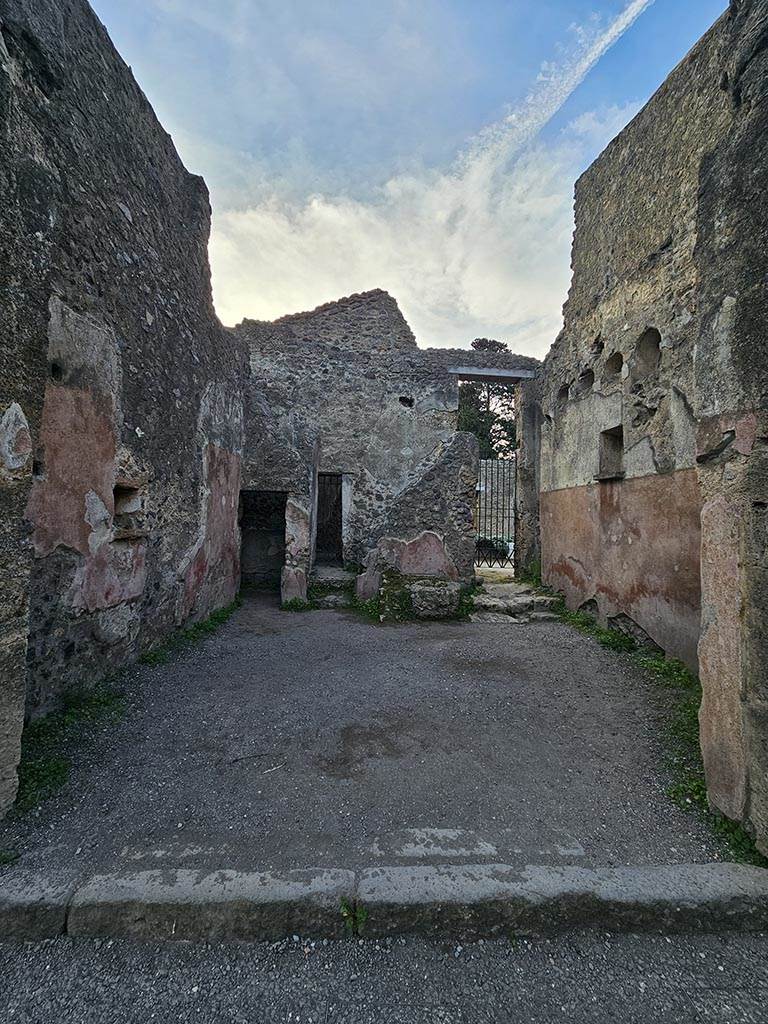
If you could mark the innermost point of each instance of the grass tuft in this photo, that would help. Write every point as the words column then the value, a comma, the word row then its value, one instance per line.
column 612, row 639
column 530, row 574
column 199, row 630
column 355, row 916
column 44, row 766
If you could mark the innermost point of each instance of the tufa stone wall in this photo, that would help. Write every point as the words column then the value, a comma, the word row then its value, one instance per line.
column 619, row 488
column 120, row 409
column 654, row 397
column 731, row 376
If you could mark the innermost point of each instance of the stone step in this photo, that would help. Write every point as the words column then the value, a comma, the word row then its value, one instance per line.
column 337, row 599
column 329, row 574
column 497, row 617
column 508, row 589
column 330, row 586
column 506, row 605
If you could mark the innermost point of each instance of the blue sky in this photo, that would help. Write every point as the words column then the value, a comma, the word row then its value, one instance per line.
column 424, row 146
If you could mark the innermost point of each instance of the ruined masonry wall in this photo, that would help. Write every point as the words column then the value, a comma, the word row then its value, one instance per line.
column 347, row 385
column 124, row 484
column 351, row 393
column 629, row 544
column 672, row 234
column 731, row 375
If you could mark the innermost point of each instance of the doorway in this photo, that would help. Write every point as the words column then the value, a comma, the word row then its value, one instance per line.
column 263, row 530
column 329, row 548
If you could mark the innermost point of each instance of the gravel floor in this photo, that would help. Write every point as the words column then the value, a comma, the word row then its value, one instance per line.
column 587, row 978
column 318, row 739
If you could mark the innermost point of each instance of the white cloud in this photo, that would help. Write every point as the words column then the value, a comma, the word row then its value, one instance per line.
column 481, row 248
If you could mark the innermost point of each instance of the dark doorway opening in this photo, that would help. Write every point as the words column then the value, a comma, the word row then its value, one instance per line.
column 263, row 530
column 329, row 547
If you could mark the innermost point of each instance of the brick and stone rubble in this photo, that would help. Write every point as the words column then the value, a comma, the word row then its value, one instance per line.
column 653, row 405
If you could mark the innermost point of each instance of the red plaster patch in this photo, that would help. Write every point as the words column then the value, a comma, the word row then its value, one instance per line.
column 425, row 555
column 214, row 573
column 634, row 544
column 115, row 574
column 79, row 453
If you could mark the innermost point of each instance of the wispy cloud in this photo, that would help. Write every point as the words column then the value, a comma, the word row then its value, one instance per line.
column 479, row 248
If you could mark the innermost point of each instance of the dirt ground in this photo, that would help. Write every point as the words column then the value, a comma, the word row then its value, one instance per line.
column 319, row 739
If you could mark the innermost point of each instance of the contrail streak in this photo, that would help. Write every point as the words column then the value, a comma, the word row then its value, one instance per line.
column 496, row 143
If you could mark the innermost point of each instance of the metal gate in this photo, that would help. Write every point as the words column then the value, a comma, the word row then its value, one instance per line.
column 495, row 512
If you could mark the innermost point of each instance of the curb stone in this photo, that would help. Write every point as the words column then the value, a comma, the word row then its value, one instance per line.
column 447, row 900
column 488, row 899
column 186, row 904
column 34, row 906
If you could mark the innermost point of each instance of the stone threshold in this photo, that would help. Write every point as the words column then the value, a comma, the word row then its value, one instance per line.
column 468, row 901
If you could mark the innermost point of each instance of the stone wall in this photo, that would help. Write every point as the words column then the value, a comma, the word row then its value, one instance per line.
column 653, row 450
column 129, row 466
column 731, row 376
column 350, row 393
column 528, row 482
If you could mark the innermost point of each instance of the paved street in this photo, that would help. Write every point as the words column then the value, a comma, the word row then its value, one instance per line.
column 585, row 979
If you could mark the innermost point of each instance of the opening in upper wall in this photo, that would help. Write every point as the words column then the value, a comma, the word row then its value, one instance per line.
column 585, row 383
column 406, row 400
column 614, row 364
column 647, row 354
column 611, row 454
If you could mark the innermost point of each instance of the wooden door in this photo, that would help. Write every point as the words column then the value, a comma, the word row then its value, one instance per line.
column 329, row 545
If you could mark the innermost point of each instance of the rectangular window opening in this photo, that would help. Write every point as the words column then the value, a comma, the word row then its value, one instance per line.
column 611, row 456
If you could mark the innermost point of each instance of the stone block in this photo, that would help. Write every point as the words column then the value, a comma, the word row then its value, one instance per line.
column 367, row 585
column 216, row 906
column 293, row 584
column 438, row 600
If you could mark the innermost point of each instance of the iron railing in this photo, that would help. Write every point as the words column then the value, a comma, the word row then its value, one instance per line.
column 495, row 513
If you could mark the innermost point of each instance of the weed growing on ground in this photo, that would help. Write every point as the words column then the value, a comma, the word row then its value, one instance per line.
column 44, row 767
column 354, row 916
column 370, row 609
column 466, row 602
column 8, row 857
column 612, row 639
column 159, row 655
column 530, row 574
column 683, row 699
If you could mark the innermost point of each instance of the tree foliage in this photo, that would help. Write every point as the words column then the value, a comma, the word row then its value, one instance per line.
column 488, row 410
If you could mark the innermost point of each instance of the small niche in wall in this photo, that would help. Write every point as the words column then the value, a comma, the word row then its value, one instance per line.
column 585, row 383
column 406, row 400
column 614, row 364
column 129, row 505
column 611, row 454
column 647, row 354
column 563, row 394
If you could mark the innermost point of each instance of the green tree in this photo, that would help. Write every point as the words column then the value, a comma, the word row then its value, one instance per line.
column 488, row 410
